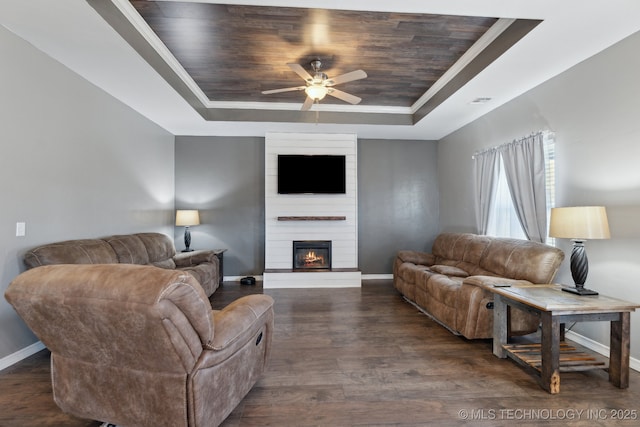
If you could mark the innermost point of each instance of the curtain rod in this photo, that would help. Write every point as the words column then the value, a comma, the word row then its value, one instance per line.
column 515, row 141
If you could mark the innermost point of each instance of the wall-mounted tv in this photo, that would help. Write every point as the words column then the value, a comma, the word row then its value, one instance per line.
column 311, row 174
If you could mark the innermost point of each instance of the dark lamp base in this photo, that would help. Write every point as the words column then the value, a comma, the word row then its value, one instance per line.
column 187, row 250
column 580, row 291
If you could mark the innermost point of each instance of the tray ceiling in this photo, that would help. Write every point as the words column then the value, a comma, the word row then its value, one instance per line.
column 220, row 57
column 111, row 45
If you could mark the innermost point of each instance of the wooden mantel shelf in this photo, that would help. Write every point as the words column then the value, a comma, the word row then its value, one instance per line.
column 312, row 218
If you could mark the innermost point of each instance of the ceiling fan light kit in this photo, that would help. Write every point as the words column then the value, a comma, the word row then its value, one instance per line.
column 316, row 92
column 320, row 85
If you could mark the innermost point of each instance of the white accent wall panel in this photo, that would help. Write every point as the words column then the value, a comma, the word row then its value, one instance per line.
column 279, row 235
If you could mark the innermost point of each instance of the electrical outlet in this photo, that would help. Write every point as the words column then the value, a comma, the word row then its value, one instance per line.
column 20, row 229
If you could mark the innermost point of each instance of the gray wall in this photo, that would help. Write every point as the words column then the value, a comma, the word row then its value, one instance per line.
column 594, row 111
column 75, row 163
column 397, row 200
column 224, row 178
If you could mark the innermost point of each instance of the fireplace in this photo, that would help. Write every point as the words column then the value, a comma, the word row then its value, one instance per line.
column 311, row 255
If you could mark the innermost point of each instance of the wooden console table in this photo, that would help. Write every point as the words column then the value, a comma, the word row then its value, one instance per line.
column 555, row 308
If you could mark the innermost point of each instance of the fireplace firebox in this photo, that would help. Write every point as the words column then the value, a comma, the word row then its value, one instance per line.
column 311, row 255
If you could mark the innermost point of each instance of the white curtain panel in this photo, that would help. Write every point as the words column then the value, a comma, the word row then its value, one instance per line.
column 524, row 167
column 486, row 170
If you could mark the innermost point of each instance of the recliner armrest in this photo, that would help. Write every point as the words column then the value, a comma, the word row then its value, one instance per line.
column 488, row 281
column 189, row 259
column 239, row 318
column 415, row 257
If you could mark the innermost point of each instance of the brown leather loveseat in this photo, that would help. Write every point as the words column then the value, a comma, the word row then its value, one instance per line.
column 449, row 283
column 140, row 346
column 154, row 249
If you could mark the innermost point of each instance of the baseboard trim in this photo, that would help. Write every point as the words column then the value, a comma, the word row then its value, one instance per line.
column 598, row 348
column 377, row 276
column 19, row 355
column 237, row 278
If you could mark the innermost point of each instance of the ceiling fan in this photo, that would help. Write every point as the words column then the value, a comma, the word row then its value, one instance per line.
column 319, row 85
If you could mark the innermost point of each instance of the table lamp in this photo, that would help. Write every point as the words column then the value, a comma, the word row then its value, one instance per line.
column 579, row 223
column 187, row 218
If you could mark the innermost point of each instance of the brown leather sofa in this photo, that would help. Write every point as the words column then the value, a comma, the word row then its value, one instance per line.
column 154, row 249
column 140, row 346
column 449, row 283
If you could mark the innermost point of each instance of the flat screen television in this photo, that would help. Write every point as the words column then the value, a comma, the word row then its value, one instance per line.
column 311, row 174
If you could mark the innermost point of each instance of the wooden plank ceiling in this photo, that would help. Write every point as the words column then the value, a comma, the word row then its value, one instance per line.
column 234, row 52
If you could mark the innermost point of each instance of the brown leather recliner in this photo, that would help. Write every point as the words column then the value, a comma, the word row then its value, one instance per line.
column 140, row 346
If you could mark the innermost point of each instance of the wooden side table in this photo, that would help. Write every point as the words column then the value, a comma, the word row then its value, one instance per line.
column 555, row 308
column 220, row 254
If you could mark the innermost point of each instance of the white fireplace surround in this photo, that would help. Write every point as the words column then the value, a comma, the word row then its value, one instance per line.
column 290, row 217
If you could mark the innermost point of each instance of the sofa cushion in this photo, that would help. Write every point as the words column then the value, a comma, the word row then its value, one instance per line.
column 190, row 259
column 442, row 300
column 82, row 251
column 466, row 247
column 473, row 269
column 522, row 260
column 444, row 289
column 409, row 270
column 129, row 248
column 204, row 275
column 159, row 246
column 416, row 257
column 168, row 264
column 449, row 270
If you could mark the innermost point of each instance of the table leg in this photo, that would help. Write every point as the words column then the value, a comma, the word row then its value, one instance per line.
column 500, row 326
column 619, row 351
column 550, row 352
column 220, row 256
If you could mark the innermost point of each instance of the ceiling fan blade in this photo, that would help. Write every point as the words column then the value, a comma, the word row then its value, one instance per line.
column 307, row 104
column 348, row 77
column 286, row 89
column 347, row 97
column 297, row 68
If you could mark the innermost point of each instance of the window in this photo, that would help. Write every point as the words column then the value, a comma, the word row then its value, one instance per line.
column 503, row 220
column 550, row 177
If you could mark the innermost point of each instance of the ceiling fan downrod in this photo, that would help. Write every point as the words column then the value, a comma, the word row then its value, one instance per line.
column 319, row 76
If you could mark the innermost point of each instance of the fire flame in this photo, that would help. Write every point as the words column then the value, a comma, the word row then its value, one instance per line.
column 311, row 258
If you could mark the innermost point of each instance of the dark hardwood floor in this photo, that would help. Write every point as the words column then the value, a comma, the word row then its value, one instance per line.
column 365, row 357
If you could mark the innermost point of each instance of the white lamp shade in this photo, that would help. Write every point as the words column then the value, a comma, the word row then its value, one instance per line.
column 316, row 92
column 187, row 217
column 580, row 223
